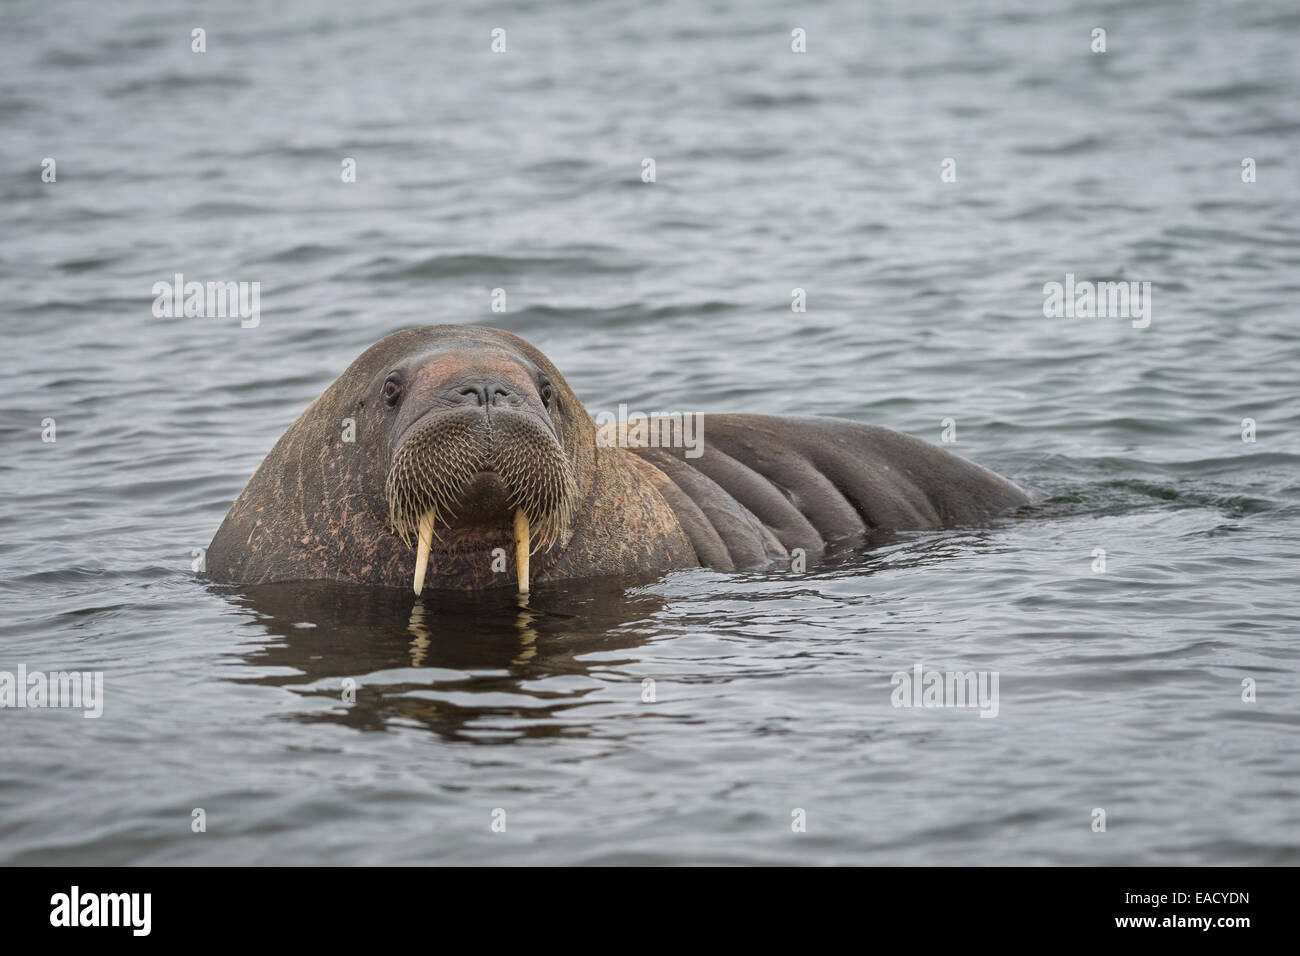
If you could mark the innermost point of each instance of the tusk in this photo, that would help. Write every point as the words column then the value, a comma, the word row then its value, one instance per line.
column 521, row 549
column 422, row 550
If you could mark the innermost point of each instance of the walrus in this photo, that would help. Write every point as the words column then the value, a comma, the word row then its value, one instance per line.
column 449, row 456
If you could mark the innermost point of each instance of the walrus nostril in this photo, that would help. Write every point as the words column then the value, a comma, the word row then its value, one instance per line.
column 486, row 393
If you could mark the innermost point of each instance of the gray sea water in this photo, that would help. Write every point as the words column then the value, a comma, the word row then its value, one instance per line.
column 1120, row 689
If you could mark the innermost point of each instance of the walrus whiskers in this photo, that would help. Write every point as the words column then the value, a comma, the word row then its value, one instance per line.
column 432, row 470
column 521, row 548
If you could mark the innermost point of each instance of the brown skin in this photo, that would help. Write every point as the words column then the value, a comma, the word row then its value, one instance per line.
column 480, row 420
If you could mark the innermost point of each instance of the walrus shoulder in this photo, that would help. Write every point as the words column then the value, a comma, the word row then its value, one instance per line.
column 764, row 485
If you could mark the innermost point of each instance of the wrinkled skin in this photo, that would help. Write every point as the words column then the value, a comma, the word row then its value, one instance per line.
column 481, row 421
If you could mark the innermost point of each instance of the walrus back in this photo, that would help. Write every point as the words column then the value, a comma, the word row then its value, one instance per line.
column 765, row 485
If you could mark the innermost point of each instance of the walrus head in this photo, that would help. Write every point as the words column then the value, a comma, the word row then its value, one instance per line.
column 472, row 439
column 482, row 442
column 437, row 452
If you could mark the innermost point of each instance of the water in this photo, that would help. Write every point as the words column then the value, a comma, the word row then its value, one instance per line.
column 1119, row 690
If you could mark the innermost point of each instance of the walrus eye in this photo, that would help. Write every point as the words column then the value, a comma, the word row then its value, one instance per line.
column 392, row 391
column 545, row 392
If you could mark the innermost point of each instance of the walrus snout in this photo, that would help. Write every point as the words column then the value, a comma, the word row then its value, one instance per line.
column 475, row 460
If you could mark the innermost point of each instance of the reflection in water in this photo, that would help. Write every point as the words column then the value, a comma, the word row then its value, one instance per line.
column 489, row 667
column 495, row 666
